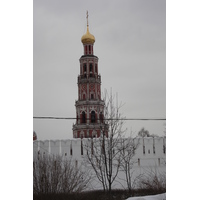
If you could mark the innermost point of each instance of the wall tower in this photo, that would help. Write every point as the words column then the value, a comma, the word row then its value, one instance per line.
column 89, row 106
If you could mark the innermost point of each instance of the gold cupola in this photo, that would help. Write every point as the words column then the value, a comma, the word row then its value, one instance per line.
column 88, row 38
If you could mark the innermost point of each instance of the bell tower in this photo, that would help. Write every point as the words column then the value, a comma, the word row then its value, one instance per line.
column 89, row 106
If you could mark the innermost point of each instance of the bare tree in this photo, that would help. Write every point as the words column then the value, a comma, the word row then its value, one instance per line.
column 103, row 154
column 53, row 174
column 153, row 180
column 127, row 153
column 144, row 133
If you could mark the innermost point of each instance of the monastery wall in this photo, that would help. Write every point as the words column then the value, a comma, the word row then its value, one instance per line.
column 150, row 151
column 150, row 155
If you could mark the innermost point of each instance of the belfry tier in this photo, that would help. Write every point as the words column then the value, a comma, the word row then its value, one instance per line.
column 89, row 106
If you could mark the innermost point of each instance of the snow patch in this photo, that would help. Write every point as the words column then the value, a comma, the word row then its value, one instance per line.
column 153, row 197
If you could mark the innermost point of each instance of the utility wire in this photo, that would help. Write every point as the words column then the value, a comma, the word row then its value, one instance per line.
column 69, row 118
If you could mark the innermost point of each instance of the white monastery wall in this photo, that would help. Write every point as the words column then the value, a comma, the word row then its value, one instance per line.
column 150, row 154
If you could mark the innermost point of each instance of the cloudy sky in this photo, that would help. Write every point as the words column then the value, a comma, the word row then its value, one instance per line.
column 131, row 47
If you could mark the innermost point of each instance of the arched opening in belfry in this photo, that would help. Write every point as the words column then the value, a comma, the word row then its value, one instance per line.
column 91, row 70
column 101, row 117
column 92, row 117
column 84, row 69
column 83, row 117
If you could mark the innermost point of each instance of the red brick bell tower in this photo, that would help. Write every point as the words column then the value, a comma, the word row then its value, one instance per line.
column 89, row 106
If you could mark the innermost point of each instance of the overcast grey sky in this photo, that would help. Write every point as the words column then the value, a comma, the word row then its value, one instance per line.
column 131, row 47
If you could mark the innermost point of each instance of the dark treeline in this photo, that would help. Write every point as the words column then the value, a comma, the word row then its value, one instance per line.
column 99, row 195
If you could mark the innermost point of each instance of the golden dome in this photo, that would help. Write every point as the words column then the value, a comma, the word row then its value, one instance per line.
column 88, row 38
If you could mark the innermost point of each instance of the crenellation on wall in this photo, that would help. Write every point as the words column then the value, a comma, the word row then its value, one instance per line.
column 74, row 149
column 64, row 148
column 54, row 147
column 139, row 142
column 44, row 147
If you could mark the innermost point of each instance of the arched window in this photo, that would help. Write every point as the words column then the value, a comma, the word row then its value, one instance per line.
column 101, row 117
column 81, row 148
column 91, row 66
column 96, row 68
column 92, row 117
column 92, row 96
column 83, row 117
column 85, row 69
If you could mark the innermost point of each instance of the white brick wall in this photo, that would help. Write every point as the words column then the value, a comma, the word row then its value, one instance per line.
column 149, row 160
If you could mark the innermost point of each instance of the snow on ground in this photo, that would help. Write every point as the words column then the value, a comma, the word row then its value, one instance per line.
column 153, row 197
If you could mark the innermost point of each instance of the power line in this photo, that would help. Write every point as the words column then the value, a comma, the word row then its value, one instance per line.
column 70, row 118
